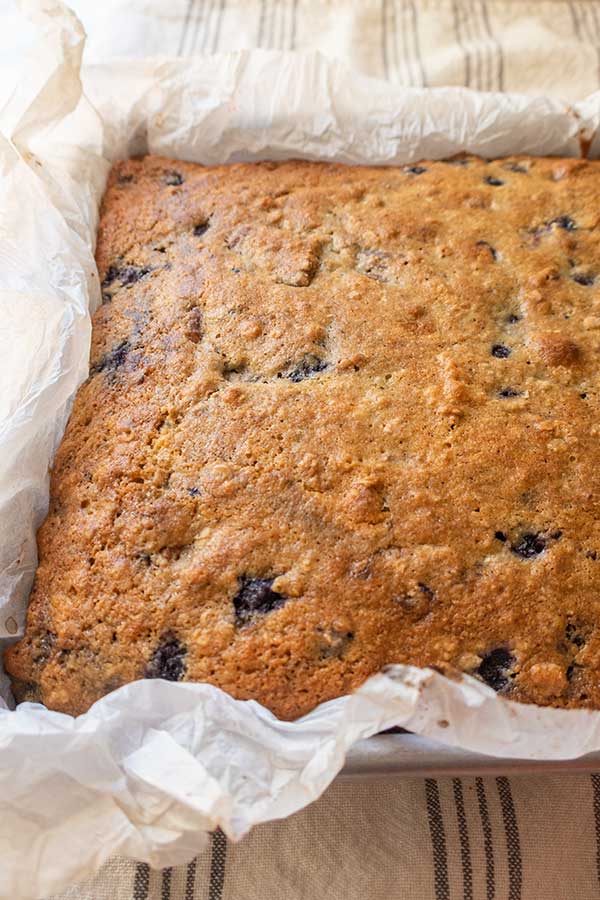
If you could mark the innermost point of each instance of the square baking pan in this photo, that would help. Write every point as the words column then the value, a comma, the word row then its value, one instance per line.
column 392, row 755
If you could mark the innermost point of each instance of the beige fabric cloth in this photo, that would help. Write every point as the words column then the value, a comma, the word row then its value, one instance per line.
column 539, row 46
column 402, row 839
column 523, row 838
column 542, row 46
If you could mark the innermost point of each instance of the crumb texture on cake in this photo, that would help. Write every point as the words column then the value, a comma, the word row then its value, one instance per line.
column 336, row 417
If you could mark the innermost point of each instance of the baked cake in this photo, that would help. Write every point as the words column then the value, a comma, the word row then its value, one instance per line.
column 336, row 417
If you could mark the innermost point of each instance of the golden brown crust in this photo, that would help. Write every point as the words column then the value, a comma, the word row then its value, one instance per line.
column 337, row 417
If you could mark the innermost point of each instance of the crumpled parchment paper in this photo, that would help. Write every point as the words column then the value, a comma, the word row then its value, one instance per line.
column 155, row 765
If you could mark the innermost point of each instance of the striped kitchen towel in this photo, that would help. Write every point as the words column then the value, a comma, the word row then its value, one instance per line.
column 524, row 838
column 536, row 46
column 541, row 46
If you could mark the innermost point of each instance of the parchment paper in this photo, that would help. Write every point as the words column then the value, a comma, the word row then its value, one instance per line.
column 155, row 765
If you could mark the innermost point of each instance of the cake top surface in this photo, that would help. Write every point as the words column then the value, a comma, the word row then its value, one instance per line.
column 336, row 417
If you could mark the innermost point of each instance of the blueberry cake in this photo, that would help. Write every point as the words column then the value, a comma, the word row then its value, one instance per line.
column 336, row 417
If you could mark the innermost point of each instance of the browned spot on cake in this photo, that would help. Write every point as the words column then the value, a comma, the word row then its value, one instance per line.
column 557, row 350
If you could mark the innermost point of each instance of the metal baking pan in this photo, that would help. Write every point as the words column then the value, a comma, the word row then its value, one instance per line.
column 389, row 755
